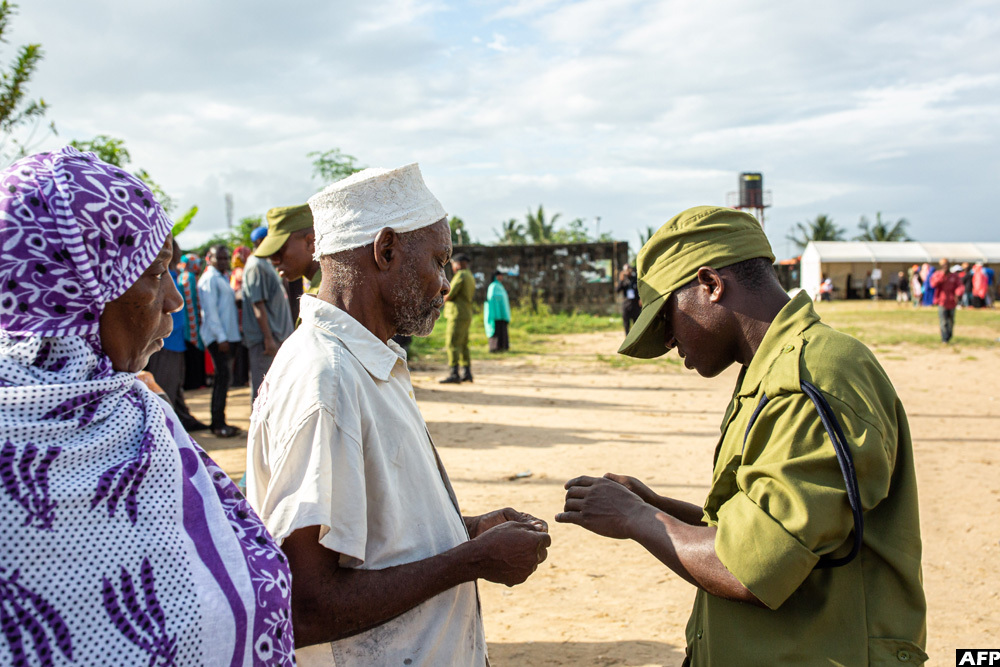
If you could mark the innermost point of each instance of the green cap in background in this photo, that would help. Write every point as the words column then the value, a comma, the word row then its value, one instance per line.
column 700, row 236
column 281, row 222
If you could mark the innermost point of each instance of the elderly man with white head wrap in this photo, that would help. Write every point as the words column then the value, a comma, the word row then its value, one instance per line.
column 341, row 466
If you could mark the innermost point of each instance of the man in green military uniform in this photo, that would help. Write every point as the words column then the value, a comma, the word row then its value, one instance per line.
column 458, row 311
column 772, row 549
column 291, row 244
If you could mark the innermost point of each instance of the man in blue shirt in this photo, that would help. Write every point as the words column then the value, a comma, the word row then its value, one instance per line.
column 167, row 365
column 219, row 328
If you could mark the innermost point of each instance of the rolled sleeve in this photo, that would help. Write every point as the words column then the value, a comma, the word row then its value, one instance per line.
column 790, row 506
column 302, row 492
column 759, row 552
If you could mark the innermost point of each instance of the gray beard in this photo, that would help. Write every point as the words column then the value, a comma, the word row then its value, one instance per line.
column 414, row 317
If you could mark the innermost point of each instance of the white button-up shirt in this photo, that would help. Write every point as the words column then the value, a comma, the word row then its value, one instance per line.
column 337, row 441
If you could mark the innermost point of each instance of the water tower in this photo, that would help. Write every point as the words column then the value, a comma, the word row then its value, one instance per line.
column 751, row 196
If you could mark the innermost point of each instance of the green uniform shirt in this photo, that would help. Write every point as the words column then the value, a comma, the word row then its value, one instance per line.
column 463, row 291
column 781, row 503
column 314, row 283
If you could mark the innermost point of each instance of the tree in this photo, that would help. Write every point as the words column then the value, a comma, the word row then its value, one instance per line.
column 540, row 230
column 113, row 151
column 458, row 234
column 241, row 235
column 182, row 222
column 574, row 232
column 644, row 236
column 333, row 165
column 511, row 233
column 881, row 230
column 15, row 110
column 821, row 229
column 110, row 149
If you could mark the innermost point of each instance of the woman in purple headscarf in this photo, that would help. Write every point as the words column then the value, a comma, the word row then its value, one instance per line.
column 121, row 542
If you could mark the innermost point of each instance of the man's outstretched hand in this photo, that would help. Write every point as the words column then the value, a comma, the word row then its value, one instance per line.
column 509, row 552
column 478, row 525
column 635, row 486
column 601, row 505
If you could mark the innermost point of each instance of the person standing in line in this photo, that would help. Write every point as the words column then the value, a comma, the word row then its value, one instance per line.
column 946, row 286
column 926, row 273
column 167, row 364
column 194, row 349
column 902, row 287
column 290, row 244
column 267, row 319
column 991, row 281
column 340, row 463
column 241, row 355
column 458, row 311
column 916, row 286
column 496, row 315
column 220, row 331
column 965, row 293
column 629, row 289
column 980, row 286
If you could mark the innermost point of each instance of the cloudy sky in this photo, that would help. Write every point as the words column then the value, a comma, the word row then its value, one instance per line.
column 627, row 110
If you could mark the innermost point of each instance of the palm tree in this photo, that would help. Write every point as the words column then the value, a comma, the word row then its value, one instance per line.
column 511, row 233
column 882, row 231
column 644, row 236
column 821, row 229
column 539, row 229
column 458, row 234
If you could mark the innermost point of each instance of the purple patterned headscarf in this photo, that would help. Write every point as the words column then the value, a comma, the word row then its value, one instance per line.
column 75, row 233
column 156, row 552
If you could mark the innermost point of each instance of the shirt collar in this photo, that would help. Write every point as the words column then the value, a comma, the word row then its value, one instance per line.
column 377, row 357
column 782, row 339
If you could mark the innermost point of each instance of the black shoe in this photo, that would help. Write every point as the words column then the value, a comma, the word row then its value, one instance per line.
column 192, row 427
column 467, row 374
column 452, row 378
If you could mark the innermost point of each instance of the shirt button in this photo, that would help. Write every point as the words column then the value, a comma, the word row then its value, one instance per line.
column 699, row 634
column 904, row 656
column 789, row 348
column 411, row 394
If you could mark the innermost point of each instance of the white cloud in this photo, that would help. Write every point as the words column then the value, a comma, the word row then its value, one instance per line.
column 627, row 109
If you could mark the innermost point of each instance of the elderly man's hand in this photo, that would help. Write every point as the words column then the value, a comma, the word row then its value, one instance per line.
column 508, row 553
column 478, row 525
column 600, row 505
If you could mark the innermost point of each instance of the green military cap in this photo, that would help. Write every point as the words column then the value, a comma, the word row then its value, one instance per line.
column 281, row 222
column 700, row 236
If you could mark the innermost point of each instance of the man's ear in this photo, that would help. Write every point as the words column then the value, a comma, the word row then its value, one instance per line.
column 386, row 248
column 711, row 280
column 311, row 242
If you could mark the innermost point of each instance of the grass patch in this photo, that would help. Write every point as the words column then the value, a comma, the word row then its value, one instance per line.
column 889, row 323
column 881, row 325
column 529, row 333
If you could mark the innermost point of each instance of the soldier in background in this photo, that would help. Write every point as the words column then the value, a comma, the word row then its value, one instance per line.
column 458, row 311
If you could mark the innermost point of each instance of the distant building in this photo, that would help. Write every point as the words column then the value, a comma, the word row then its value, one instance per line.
column 847, row 263
column 565, row 276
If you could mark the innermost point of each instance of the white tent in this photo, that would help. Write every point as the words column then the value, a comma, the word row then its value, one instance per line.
column 848, row 262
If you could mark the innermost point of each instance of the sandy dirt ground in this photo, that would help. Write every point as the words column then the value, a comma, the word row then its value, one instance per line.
column 603, row 602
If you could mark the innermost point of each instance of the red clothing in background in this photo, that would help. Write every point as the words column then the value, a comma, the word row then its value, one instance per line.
column 946, row 286
column 980, row 283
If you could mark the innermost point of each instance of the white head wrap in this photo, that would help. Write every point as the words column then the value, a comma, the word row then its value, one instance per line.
column 349, row 213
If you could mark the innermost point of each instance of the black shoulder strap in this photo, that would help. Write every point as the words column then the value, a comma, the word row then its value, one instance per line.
column 844, row 458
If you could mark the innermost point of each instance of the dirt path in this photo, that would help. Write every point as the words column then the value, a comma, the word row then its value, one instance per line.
column 600, row 602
